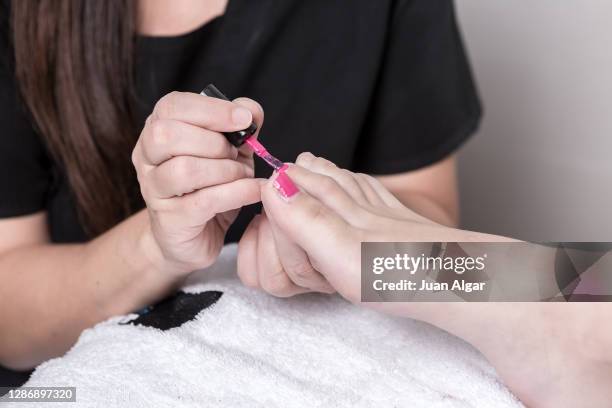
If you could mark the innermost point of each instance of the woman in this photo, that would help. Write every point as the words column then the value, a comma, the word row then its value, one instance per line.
column 548, row 354
column 378, row 87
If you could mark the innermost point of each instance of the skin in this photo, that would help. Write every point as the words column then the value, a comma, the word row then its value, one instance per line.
column 193, row 183
column 67, row 288
column 430, row 191
column 311, row 242
column 182, row 228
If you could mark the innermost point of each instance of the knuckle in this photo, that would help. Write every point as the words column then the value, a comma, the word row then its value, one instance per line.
column 346, row 176
column 328, row 186
column 362, row 177
column 161, row 206
column 277, row 284
column 135, row 159
column 150, row 194
column 301, row 272
column 369, row 179
column 160, row 133
column 324, row 164
column 304, row 158
column 181, row 168
column 346, row 173
column 165, row 107
column 144, row 189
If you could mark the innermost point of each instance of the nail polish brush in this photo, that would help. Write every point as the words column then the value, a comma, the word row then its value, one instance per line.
column 282, row 182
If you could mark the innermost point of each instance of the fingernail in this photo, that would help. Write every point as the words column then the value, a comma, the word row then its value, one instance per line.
column 284, row 185
column 241, row 116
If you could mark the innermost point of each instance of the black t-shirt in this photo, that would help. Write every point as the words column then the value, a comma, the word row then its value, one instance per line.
column 378, row 87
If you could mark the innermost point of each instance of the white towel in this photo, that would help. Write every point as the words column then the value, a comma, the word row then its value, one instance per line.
column 250, row 349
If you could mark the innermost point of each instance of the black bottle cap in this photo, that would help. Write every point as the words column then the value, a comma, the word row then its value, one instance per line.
column 236, row 138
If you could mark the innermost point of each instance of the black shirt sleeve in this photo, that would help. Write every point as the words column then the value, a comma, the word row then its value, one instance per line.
column 425, row 104
column 24, row 164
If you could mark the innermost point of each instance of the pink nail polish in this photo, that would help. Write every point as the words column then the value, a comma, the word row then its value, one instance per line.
column 284, row 185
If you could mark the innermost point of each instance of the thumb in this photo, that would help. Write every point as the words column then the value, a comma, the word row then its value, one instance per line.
column 245, row 153
column 307, row 221
column 303, row 218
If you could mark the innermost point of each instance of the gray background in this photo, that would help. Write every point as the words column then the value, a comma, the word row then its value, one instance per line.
column 540, row 166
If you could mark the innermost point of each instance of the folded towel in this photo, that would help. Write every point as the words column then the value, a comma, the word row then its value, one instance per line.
column 224, row 345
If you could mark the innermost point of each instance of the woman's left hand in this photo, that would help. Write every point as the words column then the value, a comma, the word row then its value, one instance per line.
column 312, row 242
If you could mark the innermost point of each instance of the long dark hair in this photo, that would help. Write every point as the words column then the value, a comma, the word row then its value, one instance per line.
column 73, row 64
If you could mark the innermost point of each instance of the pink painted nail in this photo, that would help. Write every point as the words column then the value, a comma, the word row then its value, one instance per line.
column 284, row 185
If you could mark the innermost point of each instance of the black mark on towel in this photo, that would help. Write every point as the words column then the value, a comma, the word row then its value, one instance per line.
column 176, row 310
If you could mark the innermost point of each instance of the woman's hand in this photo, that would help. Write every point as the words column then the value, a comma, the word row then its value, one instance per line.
column 312, row 241
column 335, row 210
column 192, row 179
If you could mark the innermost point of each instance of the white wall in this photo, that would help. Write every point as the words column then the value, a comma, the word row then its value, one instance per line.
column 540, row 167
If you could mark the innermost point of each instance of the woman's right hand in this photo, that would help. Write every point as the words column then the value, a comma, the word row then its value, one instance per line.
column 192, row 179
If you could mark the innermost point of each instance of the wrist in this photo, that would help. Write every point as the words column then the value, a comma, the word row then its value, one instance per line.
column 139, row 275
column 153, row 254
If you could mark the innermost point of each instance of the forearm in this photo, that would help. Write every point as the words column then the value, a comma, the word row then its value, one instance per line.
column 430, row 209
column 520, row 272
column 50, row 293
column 430, row 191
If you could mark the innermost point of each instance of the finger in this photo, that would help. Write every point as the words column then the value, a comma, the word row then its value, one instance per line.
column 329, row 192
column 137, row 158
column 296, row 264
column 247, row 254
column 272, row 276
column 343, row 177
column 305, row 220
column 204, row 111
column 167, row 138
column 372, row 196
column 245, row 153
column 387, row 197
column 256, row 111
column 204, row 204
column 185, row 174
